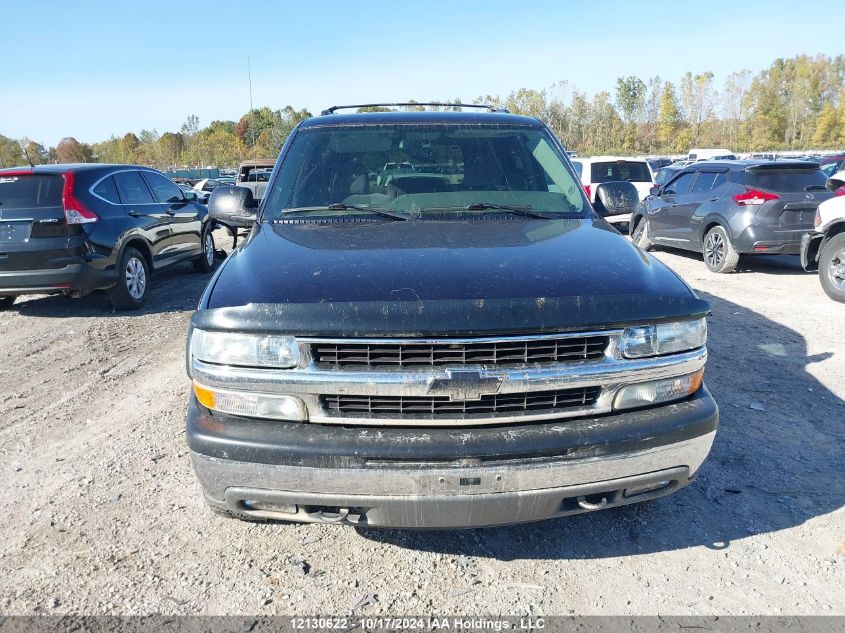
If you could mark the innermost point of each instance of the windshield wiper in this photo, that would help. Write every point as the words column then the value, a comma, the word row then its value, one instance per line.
column 520, row 210
column 815, row 188
column 339, row 206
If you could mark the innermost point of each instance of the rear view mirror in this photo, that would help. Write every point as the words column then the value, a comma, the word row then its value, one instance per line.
column 233, row 206
column 616, row 198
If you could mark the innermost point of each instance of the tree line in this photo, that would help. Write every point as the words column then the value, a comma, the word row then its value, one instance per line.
column 794, row 104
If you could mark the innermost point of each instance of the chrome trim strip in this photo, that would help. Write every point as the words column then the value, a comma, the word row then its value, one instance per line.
column 121, row 204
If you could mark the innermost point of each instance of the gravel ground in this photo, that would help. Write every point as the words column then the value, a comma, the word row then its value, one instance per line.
column 102, row 513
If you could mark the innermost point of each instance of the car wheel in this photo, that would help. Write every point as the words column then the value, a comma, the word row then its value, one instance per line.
column 205, row 262
column 133, row 281
column 719, row 254
column 640, row 235
column 6, row 302
column 832, row 267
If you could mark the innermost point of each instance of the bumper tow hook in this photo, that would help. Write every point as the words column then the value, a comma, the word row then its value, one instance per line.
column 334, row 517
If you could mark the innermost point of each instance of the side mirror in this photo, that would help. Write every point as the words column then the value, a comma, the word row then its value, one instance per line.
column 189, row 196
column 616, row 198
column 233, row 206
column 654, row 191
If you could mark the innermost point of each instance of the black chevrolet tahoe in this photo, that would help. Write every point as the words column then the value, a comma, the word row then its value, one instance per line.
column 464, row 343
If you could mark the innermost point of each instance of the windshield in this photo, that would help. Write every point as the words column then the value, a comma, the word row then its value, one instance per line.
column 415, row 168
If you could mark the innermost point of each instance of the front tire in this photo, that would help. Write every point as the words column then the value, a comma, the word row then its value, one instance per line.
column 205, row 262
column 720, row 256
column 832, row 267
column 640, row 235
column 6, row 302
column 133, row 281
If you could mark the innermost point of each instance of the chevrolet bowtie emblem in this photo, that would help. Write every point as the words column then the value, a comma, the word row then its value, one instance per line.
column 465, row 385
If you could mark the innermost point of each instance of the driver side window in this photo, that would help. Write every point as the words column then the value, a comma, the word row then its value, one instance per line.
column 680, row 185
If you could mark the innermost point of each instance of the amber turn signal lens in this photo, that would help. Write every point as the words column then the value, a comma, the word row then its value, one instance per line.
column 204, row 396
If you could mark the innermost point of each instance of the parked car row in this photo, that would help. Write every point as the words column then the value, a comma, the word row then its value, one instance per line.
column 73, row 229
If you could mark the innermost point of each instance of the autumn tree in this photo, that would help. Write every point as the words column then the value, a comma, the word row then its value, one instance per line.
column 69, row 150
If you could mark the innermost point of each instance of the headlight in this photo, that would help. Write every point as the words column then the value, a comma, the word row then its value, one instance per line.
column 251, row 405
column 656, row 391
column 247, row 350
column 663, row 338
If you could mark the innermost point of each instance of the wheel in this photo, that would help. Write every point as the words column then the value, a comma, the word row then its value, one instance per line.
column 640, row 235
column 832, row 267
column 133, row 281
column 719, row 254
column 205, row 262
column 6, row 302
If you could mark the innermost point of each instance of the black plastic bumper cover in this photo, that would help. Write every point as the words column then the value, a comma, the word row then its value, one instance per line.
column 81, row 277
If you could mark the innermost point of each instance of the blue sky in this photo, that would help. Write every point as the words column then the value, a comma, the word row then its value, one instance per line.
column 92, row 69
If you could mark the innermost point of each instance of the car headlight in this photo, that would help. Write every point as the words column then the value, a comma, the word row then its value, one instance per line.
column 663, row 338
column 245, row 350
column 644, row 394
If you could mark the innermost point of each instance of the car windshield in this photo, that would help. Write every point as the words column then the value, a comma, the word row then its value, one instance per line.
column 413, row 169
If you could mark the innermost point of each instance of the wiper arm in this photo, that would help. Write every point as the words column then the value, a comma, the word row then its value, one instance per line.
column 815, row 188
column 519, row 210
column 339, row 206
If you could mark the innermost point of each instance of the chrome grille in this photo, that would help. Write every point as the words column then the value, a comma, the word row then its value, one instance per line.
column 337, row 355
column 374, row 406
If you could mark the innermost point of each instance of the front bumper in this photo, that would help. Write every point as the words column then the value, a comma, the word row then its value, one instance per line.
column 74, row 277
column 448, row 478
column 810, row 245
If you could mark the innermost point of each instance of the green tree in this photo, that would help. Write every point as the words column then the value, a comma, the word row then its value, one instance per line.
column 828, row 130
column 34, row 152
column 668, row 118
column 697, row 100
column 630, row 100
column 10, row 152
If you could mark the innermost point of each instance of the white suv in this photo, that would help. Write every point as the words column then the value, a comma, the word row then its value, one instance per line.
column 599, row 169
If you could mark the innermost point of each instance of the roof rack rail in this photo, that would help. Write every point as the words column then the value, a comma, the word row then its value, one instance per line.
column 485, row 106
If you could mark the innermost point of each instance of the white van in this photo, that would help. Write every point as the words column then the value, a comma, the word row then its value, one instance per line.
column 698, row 153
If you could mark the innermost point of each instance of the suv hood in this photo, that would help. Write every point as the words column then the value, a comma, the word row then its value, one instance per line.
column 441, row 277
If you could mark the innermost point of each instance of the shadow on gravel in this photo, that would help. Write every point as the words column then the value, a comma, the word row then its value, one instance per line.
column 768, row 471
column 174, row 289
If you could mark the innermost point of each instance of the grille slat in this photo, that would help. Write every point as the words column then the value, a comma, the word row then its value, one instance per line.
column 375, row 406
column 502, row 353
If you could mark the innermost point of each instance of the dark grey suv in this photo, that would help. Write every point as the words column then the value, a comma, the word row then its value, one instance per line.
column 723, row 209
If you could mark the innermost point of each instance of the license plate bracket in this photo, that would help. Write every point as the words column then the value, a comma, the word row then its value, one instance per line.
column 14, row 232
